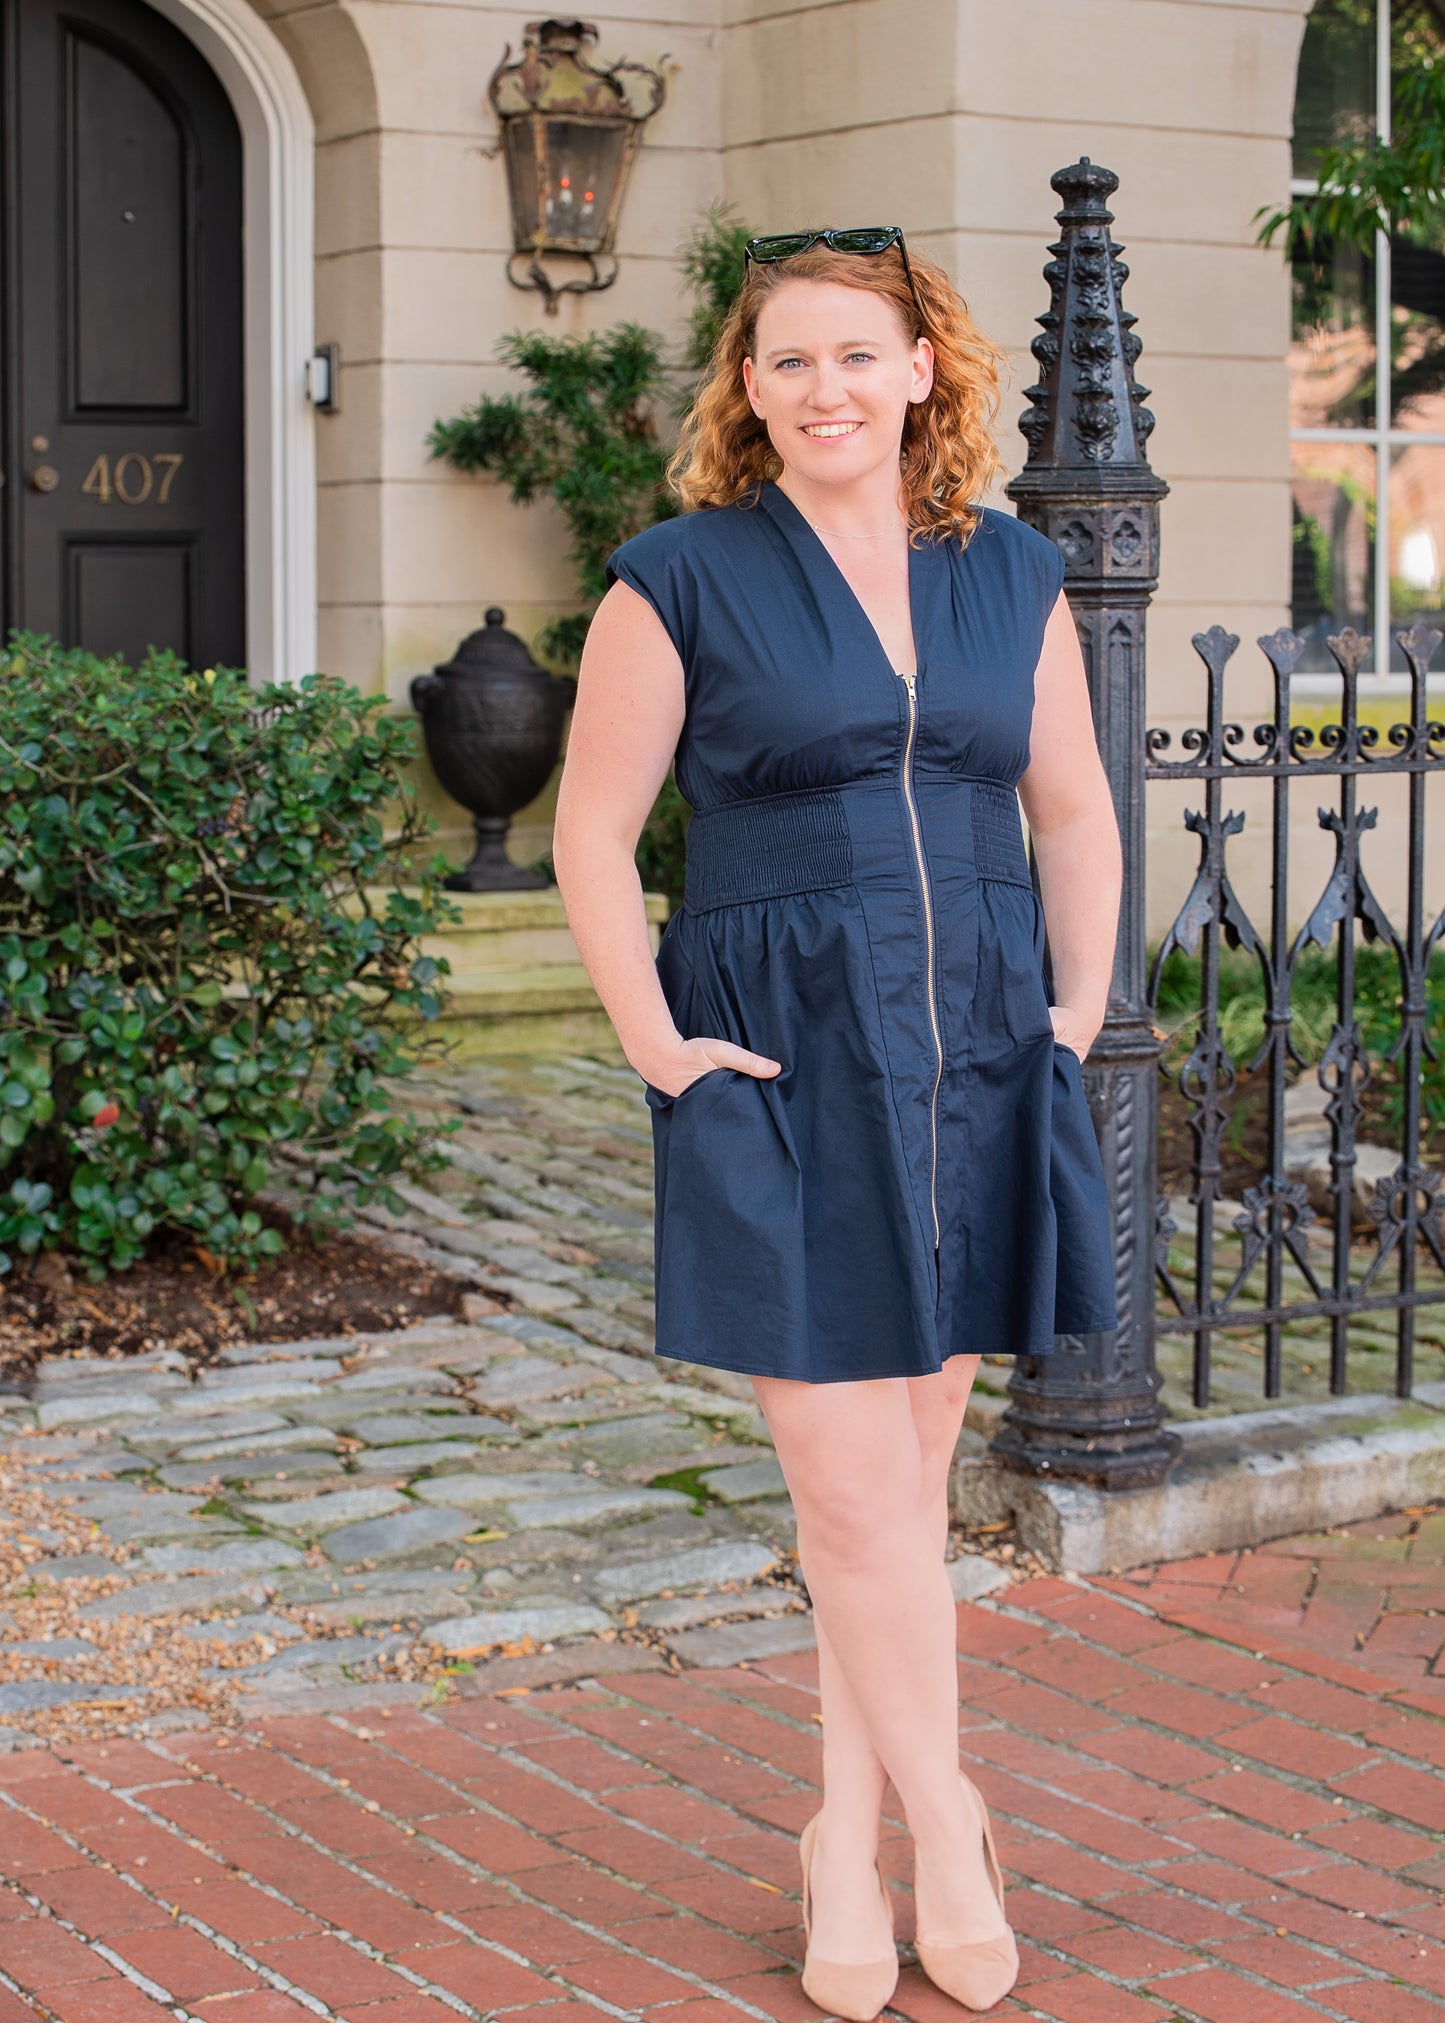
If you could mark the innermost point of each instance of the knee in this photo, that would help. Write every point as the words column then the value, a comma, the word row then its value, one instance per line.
column 938, row 1417
column 858, row 1525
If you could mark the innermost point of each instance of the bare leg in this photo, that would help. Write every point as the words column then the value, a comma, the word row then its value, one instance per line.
column 953, row 1897
column 867, row 1465
column 855, row 1782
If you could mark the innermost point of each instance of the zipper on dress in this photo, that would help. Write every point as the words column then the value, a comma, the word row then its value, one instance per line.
column 910, row 683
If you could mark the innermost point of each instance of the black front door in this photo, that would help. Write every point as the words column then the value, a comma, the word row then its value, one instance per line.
column 123, row 428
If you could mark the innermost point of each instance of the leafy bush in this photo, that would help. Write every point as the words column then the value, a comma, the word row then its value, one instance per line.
column 584, row 432
column 712, row 266
column 196, row 970
column 1313, row 1011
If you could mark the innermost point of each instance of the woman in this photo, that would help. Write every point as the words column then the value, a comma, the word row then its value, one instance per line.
column 874, row 1156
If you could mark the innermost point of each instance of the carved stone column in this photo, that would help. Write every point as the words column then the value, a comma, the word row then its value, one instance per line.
column 1091, row 1410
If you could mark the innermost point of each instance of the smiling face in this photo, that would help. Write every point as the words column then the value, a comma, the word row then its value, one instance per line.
column 832, row 374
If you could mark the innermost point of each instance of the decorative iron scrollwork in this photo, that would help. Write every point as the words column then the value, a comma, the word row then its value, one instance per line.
column 1272, row 1226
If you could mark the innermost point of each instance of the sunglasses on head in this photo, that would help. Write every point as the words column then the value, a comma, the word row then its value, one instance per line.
column 854, row 239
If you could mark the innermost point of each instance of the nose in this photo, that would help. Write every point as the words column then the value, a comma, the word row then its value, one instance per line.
column 828, row 392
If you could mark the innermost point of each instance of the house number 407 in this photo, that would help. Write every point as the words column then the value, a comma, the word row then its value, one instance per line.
column 133, row 479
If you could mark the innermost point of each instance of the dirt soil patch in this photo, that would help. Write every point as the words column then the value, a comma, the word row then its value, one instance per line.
column 350, row 1284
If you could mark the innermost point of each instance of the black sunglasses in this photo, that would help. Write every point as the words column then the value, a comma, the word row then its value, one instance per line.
column 855, row 239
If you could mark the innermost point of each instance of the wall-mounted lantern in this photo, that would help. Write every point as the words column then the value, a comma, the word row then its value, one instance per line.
column 569, row 132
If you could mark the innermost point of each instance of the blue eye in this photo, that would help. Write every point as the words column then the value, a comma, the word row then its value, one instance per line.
column 868, row 358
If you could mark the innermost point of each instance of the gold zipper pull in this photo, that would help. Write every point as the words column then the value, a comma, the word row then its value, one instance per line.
column 909, row 680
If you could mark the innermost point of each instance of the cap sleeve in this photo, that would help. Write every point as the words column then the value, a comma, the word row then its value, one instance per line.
column 1039, row 560
column 650, row 564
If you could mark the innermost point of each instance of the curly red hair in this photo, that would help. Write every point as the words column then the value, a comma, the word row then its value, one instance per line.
column 947, row 458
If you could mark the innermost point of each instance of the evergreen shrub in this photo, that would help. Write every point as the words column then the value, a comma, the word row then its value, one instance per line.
column 200, row 971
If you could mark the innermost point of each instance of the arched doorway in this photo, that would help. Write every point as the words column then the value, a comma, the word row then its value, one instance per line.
column 124, row 387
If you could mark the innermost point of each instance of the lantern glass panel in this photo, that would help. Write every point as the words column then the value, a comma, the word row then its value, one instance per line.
column 583, row 168
column 524, row 180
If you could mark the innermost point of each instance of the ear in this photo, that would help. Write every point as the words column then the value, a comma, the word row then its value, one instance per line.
column 922, row 382
column 750, row 386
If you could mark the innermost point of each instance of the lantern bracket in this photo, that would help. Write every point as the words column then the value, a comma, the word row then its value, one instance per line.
column 535, row 275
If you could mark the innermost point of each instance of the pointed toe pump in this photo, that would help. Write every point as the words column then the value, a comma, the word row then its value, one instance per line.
column 854, row 1989
column 981, row 1973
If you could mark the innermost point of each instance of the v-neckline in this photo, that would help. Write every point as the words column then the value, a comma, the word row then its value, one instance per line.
column 774, row 491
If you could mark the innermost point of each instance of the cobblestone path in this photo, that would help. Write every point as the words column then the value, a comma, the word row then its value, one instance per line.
column 321, row 1521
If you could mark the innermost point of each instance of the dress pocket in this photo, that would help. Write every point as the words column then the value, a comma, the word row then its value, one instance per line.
column 659, row 1099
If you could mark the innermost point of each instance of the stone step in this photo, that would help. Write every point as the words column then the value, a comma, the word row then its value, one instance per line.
column 1240, row 1479
column 517, row 931
column 505, row 992
column 509, row 930
column 516, row 981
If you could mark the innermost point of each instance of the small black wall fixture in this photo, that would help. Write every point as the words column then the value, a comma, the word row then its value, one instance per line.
column 569, row 132
column 492, row 720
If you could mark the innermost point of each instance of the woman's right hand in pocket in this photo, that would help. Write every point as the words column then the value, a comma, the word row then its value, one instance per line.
column 692, row 1059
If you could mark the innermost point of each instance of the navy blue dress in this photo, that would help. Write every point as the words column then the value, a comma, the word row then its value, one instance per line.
column 923, row 1179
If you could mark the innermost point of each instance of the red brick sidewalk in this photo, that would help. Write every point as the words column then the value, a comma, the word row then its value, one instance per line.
column 1212, row 1802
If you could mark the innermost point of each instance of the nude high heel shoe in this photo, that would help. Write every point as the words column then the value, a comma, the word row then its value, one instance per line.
column 979, row 1974
column 856, row 1990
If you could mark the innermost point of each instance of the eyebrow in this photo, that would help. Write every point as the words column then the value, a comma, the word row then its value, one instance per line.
column 848, row 344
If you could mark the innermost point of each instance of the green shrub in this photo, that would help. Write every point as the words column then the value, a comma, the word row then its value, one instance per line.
column 198, row 969
column 584, row 430
column 583, row 433
column 1313, row 995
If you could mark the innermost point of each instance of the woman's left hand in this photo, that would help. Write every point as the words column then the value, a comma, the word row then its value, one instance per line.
column 1070, row 1029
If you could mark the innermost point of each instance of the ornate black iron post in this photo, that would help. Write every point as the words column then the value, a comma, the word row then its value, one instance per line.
column 1091, row 1410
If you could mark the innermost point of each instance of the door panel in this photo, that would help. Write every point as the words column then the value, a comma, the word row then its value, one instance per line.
column 125, row 596
column 126, row 162
column 124, row 507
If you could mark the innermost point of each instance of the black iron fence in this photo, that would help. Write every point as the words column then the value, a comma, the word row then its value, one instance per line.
column 1092, row 1410
column 1403, row 1209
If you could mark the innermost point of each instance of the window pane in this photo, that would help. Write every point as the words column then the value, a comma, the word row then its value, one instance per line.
column 1334, row 545
column 1417, row 35
column 1417, row 336
column 1335, row 93
column 1417, row 279
column 1417, row 540
column 1332, row 347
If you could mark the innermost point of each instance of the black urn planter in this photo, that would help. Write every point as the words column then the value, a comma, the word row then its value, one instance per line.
column 492, row 720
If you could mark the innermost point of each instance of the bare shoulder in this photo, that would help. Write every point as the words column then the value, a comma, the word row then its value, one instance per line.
column 627, row 623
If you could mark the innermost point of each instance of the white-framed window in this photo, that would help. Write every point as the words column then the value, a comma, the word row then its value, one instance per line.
column 1366, row 361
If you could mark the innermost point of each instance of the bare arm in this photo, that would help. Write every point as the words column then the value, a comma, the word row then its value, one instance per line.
column 625, row 727
column 1070, row 813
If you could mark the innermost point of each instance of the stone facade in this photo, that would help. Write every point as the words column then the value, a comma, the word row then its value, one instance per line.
column 947, row 116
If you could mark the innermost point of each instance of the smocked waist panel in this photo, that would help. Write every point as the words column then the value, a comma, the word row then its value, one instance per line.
column 781, row 844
